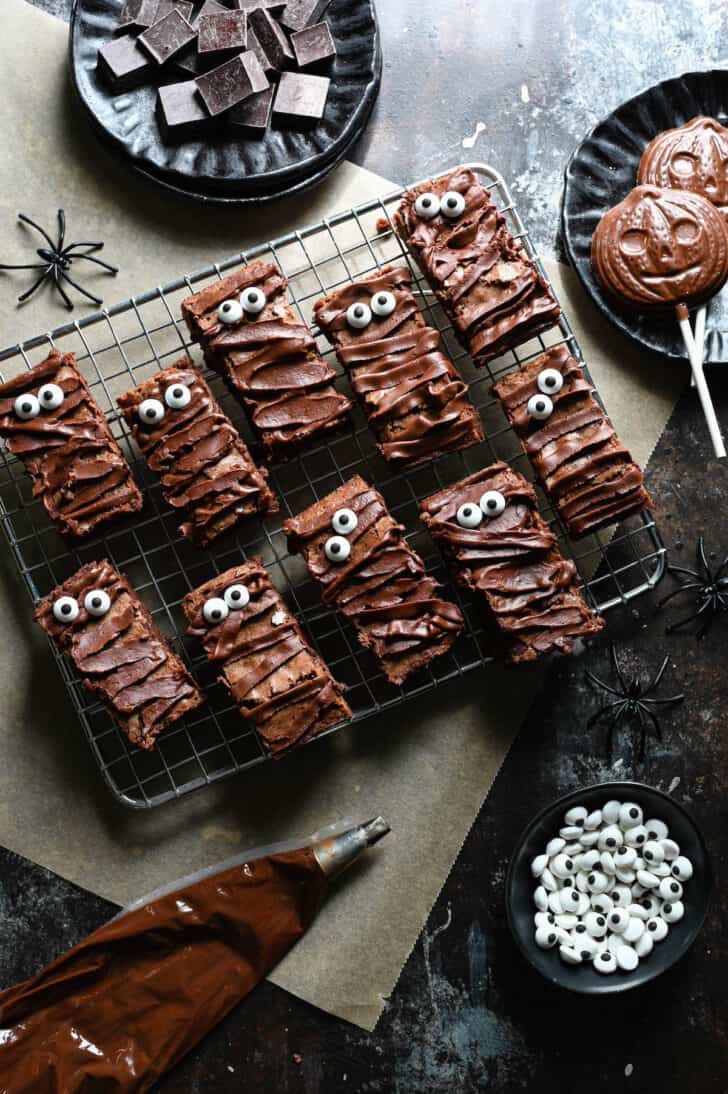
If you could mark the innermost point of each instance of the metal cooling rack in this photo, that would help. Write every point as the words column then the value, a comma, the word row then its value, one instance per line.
column 119, row 347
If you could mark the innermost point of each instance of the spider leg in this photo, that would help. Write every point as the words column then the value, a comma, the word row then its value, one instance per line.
column 702, row 557
column 94, row 244
column 721, row 569
column 603, row 710
column 57, row 281
column 41, row 231
column 617, row 669
column 676, row 626
column 27, row 266
column 611, row 728
column 650, row 716
column 98, row 261
column 666, row 701
column 683, row 570
column 84, row 292
column 654, row 684
column 61, row 230
column 35, row 286
column 676, row 592
column 600, row 683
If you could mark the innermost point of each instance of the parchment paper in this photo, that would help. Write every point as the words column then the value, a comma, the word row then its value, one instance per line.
column 427, row 769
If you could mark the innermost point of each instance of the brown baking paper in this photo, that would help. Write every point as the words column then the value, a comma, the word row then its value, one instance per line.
column 426, row 767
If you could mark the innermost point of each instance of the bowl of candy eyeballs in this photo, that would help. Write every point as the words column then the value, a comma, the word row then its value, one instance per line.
column 608, row 887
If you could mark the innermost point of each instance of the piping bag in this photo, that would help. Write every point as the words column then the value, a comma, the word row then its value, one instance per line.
column 122, row 1007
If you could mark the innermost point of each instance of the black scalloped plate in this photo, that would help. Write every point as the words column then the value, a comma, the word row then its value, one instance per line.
column 603, row 170
column 225, row 169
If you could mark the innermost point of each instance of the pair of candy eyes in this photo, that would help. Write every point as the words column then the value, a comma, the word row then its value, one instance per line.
column 67, row 609
column 491, row 505
column 337, row 548
column 550, row 382
column 251, row 302
column 177, row 397
column 451, row 205
column 49, row 397
column 218, row 608
column 360, row 315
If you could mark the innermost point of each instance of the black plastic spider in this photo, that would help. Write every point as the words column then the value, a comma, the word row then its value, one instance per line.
column 633, row 702
column 711, row 591
column 56, row 261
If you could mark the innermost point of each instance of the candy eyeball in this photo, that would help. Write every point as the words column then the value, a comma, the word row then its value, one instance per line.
column 26, row 407
column 656, row 830
column 252, row 301
column 230, row 311
column 618, row 919
column 610, row 812
column 540, row 407
column 562, row 866
column 469, row 515
column 66, row 609
column 635, row 837
column 492, row 504
column 344, row 521
column 682, row 868
column 605, row 962
column 151, row 411
column 653, row 852
column 452, row 205
column 672, row 913
column 657, row 927
column 427, row 206
column 236, row 597
column 610, row 839
column 178, row 396
column 215, row 610
column 383, row 304
column 50, row 396
column 358, row 316
column 337, row 549
column 630, row 815
column 578, row 814
column 670, row 889
column 97, row 602
column 550, row 381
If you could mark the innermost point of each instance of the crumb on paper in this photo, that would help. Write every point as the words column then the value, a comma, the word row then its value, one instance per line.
column 525, row 96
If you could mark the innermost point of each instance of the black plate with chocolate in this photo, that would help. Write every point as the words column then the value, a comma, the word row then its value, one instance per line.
column 603, row 170
column 227, row 162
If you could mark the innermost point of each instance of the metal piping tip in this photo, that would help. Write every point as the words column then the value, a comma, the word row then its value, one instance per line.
column 336, row 853
column 375, row 830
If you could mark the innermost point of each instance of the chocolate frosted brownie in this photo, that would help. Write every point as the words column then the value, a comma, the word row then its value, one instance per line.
column 204, row 465
column 492, row 291
column 51, row 421
column 575, row 452
column 253, row 337
column 416, row 403
column 96, row 618
column 498, row 544
column 271, row 671
column 357, row 552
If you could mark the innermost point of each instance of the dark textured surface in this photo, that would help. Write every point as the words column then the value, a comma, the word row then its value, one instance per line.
column 468, row 1014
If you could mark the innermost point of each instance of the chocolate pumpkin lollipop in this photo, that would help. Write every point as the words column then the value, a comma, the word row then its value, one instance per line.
column 692, row 157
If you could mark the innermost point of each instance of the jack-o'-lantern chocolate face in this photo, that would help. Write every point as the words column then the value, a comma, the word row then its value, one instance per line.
column 661, row 247
column 693, row 157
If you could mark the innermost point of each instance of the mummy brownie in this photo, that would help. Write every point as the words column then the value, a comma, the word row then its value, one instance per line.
column 612, row 925
column 51, row 421
column 277, row 680
column 372, row 576
column 98, row 621
column 251, row 335
column 690, row 157
column 205, row 468
column 414, row 399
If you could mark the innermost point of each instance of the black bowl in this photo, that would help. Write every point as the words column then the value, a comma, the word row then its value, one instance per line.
column 520, row 886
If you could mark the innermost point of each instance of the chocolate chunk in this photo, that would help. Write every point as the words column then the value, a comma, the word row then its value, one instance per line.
column 137, row 13
column 123, row 64
column 272, row 38
column 222, row 32
column 184, row 7
column 254, row 113
column 180, row 111
column 298, row 14
column 313, row 45
column 167, row 36
column 275, row 6
column 301, row 98
column 191, row 63
column 232, row 82
column 210, row 7
column 255, row 47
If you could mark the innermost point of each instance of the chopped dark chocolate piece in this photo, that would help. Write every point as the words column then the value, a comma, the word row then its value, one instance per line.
column 191, row 63
column 298, row 14
column 254, row 113
column 222, row 32
column 272, row 39
column 255, row 47
column 184, row 7
column 99, row 622
column 180, row 111
column 359, row 555
column 274, row 676
column 167, row 37
column 137, row 13
column 211, row 7
column 313, row 45
column 498, row 544
column 232, row 82
column 123, row 64
column 301, row 97
column 415, row 402
column 251, row 5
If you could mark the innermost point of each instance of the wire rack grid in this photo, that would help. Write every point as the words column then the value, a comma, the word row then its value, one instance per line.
column 120, row 346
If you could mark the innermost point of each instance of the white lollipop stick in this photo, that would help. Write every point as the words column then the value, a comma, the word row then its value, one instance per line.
column 695, row 354
column 699, row 335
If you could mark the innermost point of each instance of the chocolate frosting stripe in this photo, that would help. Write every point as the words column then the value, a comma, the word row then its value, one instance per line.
column 269, row 359
column 416, row 404
column 382, row 588
column 513, row 561
column 575, row 452
column 277, row 680
column 205, row 467
column 491, row 290
column 68, row 450
column 120, row 655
